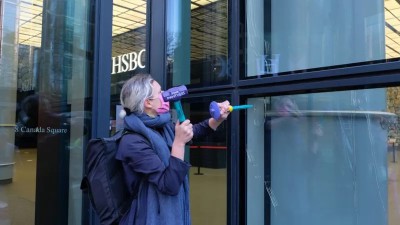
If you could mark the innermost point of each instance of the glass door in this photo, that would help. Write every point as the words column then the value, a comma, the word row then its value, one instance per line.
column 129, row 53
column 44, row 116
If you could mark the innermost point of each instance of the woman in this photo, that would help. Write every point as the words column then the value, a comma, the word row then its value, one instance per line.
column 153, row 154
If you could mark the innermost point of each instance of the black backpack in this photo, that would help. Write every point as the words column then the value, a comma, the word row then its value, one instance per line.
column 104, row 180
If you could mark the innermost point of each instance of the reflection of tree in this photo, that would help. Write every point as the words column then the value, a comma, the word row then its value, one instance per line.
column 131, row 41
column 393, row 106
column 173, row 41
column 26, row 66
column 8, row 66
column 208, row 47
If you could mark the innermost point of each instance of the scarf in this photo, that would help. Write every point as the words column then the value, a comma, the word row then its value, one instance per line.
column 160, row 133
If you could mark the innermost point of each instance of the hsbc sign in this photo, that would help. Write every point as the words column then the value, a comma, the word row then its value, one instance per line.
column 127, row 62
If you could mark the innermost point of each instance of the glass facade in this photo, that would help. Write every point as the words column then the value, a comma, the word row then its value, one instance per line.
column 198, row 29
column 129, row 36
column 286, row 36
column 45, row 73
column 311, row 150
column 323, row 158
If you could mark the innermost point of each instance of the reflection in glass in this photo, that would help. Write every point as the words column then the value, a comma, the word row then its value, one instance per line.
column 128, row 41
column 129, row 34
column 327, row 158
column 205, row 24
column 17, row 165
column 43, row 114
column 284, row 36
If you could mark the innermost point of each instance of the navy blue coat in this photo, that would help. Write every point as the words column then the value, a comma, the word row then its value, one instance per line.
column 143, row 166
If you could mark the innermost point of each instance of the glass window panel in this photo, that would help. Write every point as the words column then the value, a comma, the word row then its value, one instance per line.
column 205, row 24
column 324, row 158
column 44, row 119
column 285, row 36
column 128, row 48
column 208, row 174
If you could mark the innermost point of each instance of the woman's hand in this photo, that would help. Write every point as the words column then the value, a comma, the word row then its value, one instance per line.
column 183, row 134
column 183, row 131
column 224, row 111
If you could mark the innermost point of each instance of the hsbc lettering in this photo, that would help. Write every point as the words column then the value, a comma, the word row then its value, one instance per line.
column 127, row 62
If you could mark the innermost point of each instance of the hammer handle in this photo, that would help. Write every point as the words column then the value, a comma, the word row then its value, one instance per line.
column 179, row 110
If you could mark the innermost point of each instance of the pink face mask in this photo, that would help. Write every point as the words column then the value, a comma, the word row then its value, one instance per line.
column 164, row 108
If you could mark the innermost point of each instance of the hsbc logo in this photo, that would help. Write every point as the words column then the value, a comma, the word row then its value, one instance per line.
column 127, row 62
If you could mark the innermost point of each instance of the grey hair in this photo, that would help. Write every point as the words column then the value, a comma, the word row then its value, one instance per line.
column 135, row 91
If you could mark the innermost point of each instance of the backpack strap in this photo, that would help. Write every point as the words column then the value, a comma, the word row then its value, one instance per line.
column 84, row 184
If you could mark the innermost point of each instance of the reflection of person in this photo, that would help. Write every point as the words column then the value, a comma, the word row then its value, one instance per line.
column 28, row 115
column 153, row 154
column 292, row 146
column 286, row 110
column 285, row 107
column 285, row 143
